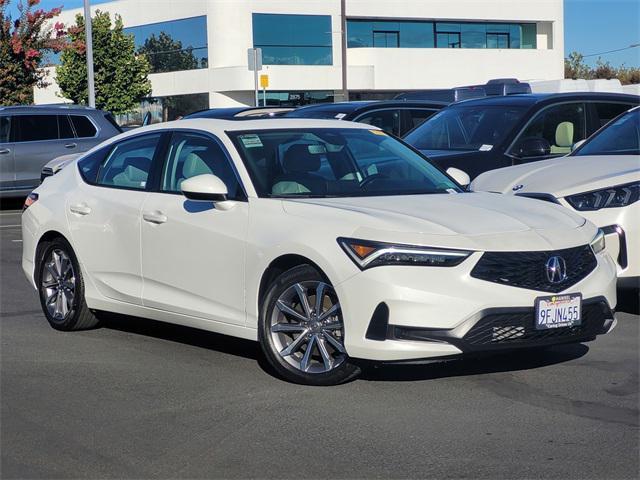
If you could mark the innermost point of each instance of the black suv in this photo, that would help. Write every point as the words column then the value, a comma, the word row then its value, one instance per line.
column 393, row 116
column 494, row 132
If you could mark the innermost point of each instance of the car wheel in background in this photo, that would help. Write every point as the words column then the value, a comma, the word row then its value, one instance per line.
column 301, row 329
column 61, row 287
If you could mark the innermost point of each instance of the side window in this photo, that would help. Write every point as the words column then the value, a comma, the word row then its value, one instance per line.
column 32, row 128
column 64, row 127
column 83, row 126
column 417, row 117
column 556, row 129
column 90, row 164
column 190, row 155
column 387, row 120
column 608, row 111
column 129, row 163
column 5, row 127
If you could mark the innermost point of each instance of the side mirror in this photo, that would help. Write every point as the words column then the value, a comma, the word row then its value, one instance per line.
column 459, row 176
column 533, row 147
column 205, row 188
column 578, row 144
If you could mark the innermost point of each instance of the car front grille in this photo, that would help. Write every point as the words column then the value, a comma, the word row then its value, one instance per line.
column 512, row 329
column 528, row 269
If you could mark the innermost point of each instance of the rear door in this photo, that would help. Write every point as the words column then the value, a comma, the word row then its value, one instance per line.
column 85, row 130
column 7, row 167
column 603, row 112
column 104, row 214
column 39, row 139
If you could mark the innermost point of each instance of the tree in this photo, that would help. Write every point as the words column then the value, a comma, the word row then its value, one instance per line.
column 24, row 43
column 167, row 55
column 575, row 67
column 121, row 75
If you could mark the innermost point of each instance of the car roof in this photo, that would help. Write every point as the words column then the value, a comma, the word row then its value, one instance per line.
column 354, row 106
column 529, row 99
column 56, row 108
column 219, row 126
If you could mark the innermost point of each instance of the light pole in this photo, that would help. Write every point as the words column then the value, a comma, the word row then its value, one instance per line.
column 343, row 31
column 89, row 52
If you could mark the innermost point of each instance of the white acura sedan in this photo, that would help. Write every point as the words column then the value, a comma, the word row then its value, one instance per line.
column 327, row 242
column 600, row 180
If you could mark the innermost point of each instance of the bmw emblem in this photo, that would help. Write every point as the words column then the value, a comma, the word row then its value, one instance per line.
column 517, row 187
column 556, row 269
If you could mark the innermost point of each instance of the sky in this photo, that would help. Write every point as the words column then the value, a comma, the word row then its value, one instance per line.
column 591, row 26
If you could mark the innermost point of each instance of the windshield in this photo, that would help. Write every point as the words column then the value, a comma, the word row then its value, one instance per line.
column 620, row 137
column 336, row 162
column 478, row 127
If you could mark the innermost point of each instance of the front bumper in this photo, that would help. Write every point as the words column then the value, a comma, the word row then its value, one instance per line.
column 430, row 312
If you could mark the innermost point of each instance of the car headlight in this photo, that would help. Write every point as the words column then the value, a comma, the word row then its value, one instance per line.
column 598, row 243
column 367, row 254
column 618, row 196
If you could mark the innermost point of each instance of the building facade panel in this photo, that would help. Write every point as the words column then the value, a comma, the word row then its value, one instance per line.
column 200, row 46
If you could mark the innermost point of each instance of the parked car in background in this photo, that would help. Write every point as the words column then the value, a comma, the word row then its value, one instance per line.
column 393, row 116
column 240, row 113
column 326, row 241
column 31, row 136
column 600, row 181
column 494, row 132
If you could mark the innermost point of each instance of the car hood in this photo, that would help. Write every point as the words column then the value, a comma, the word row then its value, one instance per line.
column 561, row 176
column 464, row 220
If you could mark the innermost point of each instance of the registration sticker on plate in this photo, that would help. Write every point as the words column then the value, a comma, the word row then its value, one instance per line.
column 558, row 311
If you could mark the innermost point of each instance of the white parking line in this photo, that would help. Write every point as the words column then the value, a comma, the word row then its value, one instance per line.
column 16, row 241
column 10, row 226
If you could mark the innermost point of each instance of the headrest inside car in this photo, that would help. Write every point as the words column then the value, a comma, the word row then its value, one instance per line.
column 300, row 159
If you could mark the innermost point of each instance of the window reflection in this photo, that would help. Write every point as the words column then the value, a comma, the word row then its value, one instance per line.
column 424, row 34
column 293, row 39
column 163, row 109
column 174, row 45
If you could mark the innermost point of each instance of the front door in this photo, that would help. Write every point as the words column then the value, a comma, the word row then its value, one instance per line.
column 193, row 254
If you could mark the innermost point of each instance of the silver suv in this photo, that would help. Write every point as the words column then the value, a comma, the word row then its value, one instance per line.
column 31, row 136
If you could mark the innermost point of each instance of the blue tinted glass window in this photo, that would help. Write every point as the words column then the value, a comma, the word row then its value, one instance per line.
column 529, row 31
column 175, row 45
column 293, row 39
column 474, row 35
column 389, row 34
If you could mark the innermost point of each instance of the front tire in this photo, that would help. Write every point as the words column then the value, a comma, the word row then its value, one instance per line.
column 301, row 329
column 61, row 288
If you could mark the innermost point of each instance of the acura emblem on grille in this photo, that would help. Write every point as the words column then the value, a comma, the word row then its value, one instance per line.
column 556, row 269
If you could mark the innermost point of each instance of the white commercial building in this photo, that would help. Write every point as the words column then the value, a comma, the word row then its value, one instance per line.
column 198, row 48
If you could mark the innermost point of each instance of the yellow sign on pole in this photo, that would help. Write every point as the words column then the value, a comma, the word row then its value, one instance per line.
column 264, row 81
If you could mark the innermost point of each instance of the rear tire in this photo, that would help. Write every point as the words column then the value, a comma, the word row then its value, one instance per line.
column 301, row 330
column 61, row 287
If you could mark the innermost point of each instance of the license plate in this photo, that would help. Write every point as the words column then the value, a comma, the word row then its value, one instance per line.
column 558, row 311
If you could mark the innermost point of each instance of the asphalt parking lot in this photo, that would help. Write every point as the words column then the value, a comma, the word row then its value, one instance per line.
column 140, row 399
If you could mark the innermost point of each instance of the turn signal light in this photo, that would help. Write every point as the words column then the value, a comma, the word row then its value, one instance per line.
column 30, row 200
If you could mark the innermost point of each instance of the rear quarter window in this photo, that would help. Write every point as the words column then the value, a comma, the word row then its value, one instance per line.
column 83, row 126
column 90, row 164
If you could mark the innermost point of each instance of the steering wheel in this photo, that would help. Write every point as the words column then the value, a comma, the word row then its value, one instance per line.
column 376, row 176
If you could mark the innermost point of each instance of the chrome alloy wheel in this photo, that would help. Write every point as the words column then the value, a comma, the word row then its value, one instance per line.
column 58, row 285
column 307, row 329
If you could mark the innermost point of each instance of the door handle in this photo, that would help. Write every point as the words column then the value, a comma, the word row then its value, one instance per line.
column 154, row 217
column 70, row 145
column 80, row 209
column 4, row 151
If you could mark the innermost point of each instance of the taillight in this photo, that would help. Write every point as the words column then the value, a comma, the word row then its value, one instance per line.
column 30, row 200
